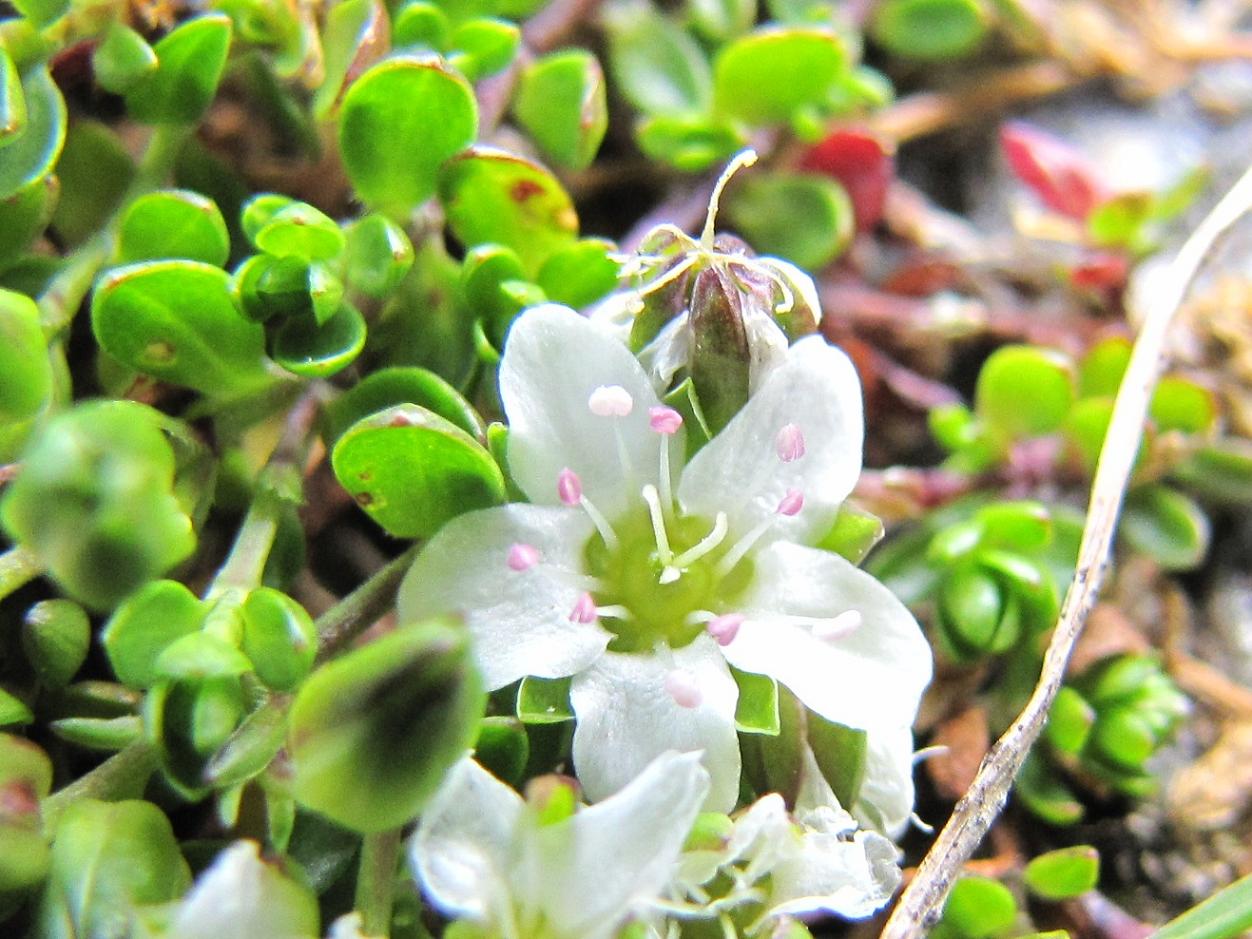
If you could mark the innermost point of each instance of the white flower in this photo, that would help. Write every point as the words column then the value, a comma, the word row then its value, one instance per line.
column 646, row 580
column 481, row 853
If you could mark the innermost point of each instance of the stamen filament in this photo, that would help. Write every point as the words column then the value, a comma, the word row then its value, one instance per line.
column 602, row 524
column 667, row 491
column 742, row 547
column 663, row 551
column 740, row 160
column 614, row 611
column 706, row 544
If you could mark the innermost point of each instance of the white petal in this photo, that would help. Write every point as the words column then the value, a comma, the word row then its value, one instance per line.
column 885, row 802
column 465, row 846
column 870, row 678
column 520, row 620
column 616, row 856
column 626, row 719
column 850, row 878
column 553, row 360
column 739, row 471
column 242, row 896
column 668, row 351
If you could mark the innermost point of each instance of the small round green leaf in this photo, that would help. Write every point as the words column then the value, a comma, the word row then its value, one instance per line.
column 1069, row 721
column 691, row 143
column 932, row 30
column 1100, row 373
column 379, row 255
column 394, row 104
column 771, row 75
column 1166, row 525
column 176, row 321
column 805, row 218
column 561, row 102
column 483, row 46
column 422, row 25
column 122, row 59
column 354, row 36
column 278, row 637
column 190, row 61
column 1064, row 873
column 33, row 152
column 580, row 274
column 316, row 351
column 1024, row 391
column 25, row 370
column 1222, row 471
column 386, row 387
column 656, row 64
column 299, row 229
column 173, row 223
column 411, row 470
column 42, row 12
column 56, row 636
column 1182, row 405
column 12, row 101
column 373, row 732
column 980, row 908
column 492, row 196
column 24, row 215
column 149, row 621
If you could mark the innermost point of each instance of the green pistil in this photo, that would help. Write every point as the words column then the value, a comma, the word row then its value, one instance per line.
column 658, row 612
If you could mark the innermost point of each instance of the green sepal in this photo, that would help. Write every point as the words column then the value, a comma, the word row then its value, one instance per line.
column 544, row 700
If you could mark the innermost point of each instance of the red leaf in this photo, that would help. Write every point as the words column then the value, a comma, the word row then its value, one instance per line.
column 1101, row 270
column 1062, row 178
column 862, row 163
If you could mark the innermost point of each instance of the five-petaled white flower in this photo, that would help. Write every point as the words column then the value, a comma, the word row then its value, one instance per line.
column 647, row 580
column 483, row 854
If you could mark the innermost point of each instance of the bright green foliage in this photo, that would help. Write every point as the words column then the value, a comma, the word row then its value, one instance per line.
column 190, row 61
column 396, row 102
column 354, row 35
column 56, row 636
column 1166, row 525
column 30, row 152
column 804, row 217
column 931, row 30
column 25, row 778
column 278, row 637
column 25, row 214
column 544, row 700
column 657, row 66
column 173, row 223
column 387, row 387
column 176, row 321
column 25, row 373
column 411, row 470
column 1224, row 915
column 1064, row 873
column 503, row 748
column 775, row 75
column 373, row 732
column 1017, row 374
column 496, row 197
column 324, row 350
column 756, row 711
column 379, row 255
column 42, row 12
column 561, row 102
column 107, row 859
column 123, row 59
column 12, row 101
column 977, row 908
column 579, row 274
column 96, row 502
column 94, row 172
column 720, row 20
column 854, row 533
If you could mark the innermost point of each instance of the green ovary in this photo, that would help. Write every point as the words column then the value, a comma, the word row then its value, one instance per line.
column 630, row 577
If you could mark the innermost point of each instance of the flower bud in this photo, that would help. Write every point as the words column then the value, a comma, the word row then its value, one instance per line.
column 25, row 778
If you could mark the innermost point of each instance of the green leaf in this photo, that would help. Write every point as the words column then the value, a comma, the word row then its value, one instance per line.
column 979, row 908
column 410, row 470
column 1179, row 404
column 1017, row 374
column 317, row 351
column 561, row 102
column 150, row 620
column 354, row 36
column 260, row 210
column 173, row 223
column 853, row 535
column 190, row 61
column 201, row 655
column 32, row 153
column 757, row 709
column 387, row 387
column 56, row 636
column 374, row 732
column 544, row 700
column 580, row 274
column 803, row 217
column 42, row 12
column 13, row 710
column 393, row 104
column 176, row 321
column 1045, row 795
column 931, row 30
column 1069, row 721
column 690, row 143
column 1100, row 373
column 278, row 637
column 1224, row 915
column 25, row 779
column 483, row 46
column 1166, row 525
column 379, row 255
column 123, row 59
column 249, row 749
column 99, row 733
column 94, row 173
column 188, row 720
column 107, row 859
column 1064, row 873
column 656, row 65
column 299, row 229
column 492, row 196
column 25, row 371
column 971, row 611
column 1018, row 526
column 1221, row 471
column 721, row 20
column 842, row 755
column 24, row 215
column 503, row 748
column 12, row 101
column 421, row 24
column 771, row 75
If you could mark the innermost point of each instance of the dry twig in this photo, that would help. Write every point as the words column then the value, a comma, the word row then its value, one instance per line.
column 922, row 902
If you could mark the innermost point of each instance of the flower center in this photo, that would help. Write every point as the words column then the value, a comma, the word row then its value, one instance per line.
column 650, row 593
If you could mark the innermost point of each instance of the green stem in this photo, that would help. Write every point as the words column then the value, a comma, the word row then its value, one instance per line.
column 350, row 616
column 64, row 295
column 376, row 881
column 18, row 567
column 122, row 775
column 246, row 562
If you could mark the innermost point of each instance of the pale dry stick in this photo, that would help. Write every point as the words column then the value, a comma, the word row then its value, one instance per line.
column 922, row 902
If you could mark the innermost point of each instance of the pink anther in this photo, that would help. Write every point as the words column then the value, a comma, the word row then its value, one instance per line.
column 789, row 443
column 522, row 557
column 569, row 488
column 584, row 610
column 611, row 401
column 682, row 686
column 664, row 420
column 724, row 628
column 791, row 503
